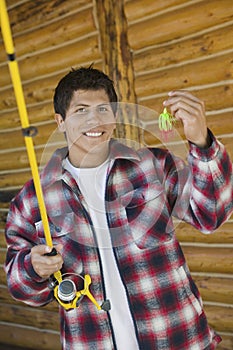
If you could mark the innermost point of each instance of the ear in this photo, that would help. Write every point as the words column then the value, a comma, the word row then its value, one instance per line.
column 60, row 122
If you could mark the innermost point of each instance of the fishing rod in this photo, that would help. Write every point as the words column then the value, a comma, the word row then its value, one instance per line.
column 64, row 290
column 28, row 131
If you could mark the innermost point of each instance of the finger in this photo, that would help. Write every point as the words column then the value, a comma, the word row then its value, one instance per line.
column 53, row 261
column 41, row 249
column 184, row 116
column 184, row 106
column 184, row 98
column 188, row 98
column 43, row 262
column 184, row 93
column 44, row 266
column 194, row 108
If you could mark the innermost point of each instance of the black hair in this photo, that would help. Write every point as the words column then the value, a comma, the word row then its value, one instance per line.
column 82, row 79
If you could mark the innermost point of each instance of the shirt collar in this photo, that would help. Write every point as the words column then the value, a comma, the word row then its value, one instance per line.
column 120, row 151
column 54, row 170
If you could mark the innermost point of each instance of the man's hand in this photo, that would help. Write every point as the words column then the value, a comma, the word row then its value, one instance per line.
column 191, row 111
column 45, row 265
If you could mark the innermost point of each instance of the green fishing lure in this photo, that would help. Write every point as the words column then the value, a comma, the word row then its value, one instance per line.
column 166, row 121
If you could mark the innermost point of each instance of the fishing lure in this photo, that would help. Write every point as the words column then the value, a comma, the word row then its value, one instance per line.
column 166, row 121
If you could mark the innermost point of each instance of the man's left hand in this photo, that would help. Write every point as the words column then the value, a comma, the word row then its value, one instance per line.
column 191, row 111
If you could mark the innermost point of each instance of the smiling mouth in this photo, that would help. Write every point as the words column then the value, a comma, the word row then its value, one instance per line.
column 93, row 134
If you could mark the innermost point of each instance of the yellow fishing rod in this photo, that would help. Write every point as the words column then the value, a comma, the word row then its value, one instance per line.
column 64, row 290
column 27, row 130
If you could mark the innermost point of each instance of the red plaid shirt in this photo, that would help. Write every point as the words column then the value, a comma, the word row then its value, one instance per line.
column 143, row 190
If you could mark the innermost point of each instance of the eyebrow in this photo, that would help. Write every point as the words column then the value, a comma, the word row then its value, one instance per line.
column 80, row 104
column 87, row 105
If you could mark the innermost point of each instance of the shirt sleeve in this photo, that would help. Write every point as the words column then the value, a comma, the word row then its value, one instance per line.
column 23, row 282
column 206, row 198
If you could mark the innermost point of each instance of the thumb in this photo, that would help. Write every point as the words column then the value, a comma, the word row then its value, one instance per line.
column 58, row 248
column 41, row 249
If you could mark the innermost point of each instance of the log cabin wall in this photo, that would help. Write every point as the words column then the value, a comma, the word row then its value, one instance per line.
column 173, row 44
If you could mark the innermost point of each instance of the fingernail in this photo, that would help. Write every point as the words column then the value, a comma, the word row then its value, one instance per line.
column 48, row 249
column 170, row 93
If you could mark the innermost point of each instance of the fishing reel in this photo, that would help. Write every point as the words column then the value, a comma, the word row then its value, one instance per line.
column 66, row 293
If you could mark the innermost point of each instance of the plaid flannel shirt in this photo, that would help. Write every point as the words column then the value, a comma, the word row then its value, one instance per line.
column 143, row 190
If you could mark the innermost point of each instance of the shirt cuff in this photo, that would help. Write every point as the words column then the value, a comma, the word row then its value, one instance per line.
column 30, row 270
column 205, row 154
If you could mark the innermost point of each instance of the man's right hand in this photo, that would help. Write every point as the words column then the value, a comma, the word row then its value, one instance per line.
column 45, row 265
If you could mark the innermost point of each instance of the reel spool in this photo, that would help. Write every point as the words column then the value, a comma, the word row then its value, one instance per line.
column 69, row 297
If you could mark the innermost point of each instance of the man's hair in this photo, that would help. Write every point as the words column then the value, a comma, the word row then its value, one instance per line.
column 82, row 79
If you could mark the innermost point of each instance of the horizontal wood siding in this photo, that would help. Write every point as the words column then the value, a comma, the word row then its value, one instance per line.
column 174, row 44
column 188, row 45
column 59, row 35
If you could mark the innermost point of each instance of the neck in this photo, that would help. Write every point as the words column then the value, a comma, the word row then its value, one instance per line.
column 88, row 160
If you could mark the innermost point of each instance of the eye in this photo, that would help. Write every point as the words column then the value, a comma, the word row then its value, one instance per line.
column 81, row 110
column 103, row 109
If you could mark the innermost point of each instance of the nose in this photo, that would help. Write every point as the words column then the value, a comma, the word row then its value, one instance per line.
column 93, row 117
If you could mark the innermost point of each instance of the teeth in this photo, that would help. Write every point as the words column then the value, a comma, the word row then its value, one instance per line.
column 93, row 134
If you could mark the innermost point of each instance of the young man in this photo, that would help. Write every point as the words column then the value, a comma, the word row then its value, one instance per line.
column 109, row 209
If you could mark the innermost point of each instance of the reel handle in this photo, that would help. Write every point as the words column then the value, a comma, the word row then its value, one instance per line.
column 52, row 253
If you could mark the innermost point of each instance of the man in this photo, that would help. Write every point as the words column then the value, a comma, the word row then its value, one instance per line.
column 109, row 209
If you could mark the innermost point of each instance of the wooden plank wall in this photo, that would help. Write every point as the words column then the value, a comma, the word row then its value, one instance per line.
column 188, row 45
column 184, row 44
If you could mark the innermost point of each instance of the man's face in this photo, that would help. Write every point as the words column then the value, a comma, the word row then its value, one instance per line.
column 88, row 125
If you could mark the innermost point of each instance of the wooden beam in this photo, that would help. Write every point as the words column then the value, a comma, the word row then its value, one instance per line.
column 29, row 316
column 118, row 64
column 162, row 27
column 29, row 337
column 208, row 259
column 223, row 235
column 220, row 317
column 215, row 289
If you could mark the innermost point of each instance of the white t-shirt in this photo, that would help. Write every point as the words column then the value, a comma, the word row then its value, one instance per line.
column 92, row 182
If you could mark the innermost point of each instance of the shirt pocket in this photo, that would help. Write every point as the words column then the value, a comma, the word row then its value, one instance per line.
column 148, row 216
column 59, row 225
column 69, row 226
column 141, row 195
